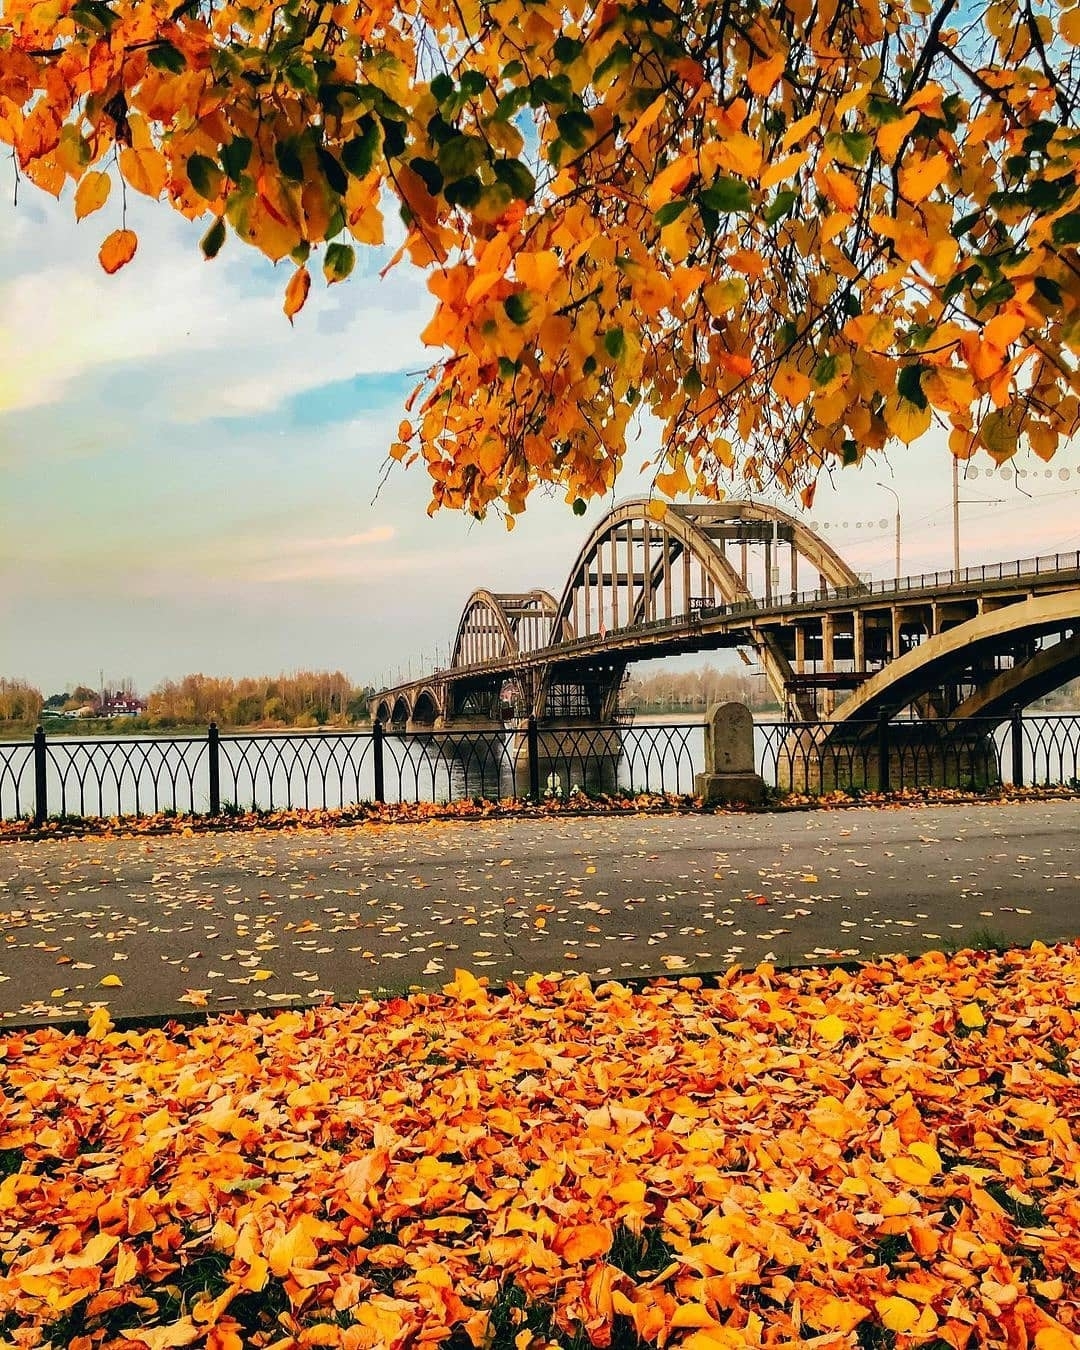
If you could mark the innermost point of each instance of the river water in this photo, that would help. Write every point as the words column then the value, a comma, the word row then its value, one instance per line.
column 330, row 769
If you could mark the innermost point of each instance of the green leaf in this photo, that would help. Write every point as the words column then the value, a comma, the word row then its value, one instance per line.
column 1049, row 290
column 547, row 91
column 288, row 159
column 579, row 508
column 164, row 56
column 213, row 239
column 858, row 145
column 361, row 153
column 1066, row 229
column 394, row 138
column 461, row 155
column 236, row 156
column 464, row 192
column 335, row 174
column 727, row 194
column 517, row 307
column 472, row 84
column 883, row 110
column 507, row 368
column 566, row 49
column 966, row 223
column 511, row 104
column 512, row 70
column 95, row 16
column 781, row 205
column 692, row 383
column 909, row 384
column 517, row 177
column 338, row 263
column 302, row 78
column 205, row 176
column 849, row 451
column 574, row 128
column 429, row 171
column 826, row 368
column 615, row 343
column 998, row 434
column 616, row 60
column 670, row 211
column 442, row 86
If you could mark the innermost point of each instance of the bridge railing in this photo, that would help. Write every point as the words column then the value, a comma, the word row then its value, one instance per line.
column 222, row 774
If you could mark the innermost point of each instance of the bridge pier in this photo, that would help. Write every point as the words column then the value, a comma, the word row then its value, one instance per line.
column 569, row 755
column 816, row 759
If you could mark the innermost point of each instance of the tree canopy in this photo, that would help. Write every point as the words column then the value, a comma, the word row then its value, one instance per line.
column 792, row 231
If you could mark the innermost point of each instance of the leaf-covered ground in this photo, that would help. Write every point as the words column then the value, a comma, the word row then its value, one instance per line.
column 478, row 808
column 877, row 1158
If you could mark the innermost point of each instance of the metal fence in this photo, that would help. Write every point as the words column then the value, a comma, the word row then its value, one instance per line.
column 219, row 774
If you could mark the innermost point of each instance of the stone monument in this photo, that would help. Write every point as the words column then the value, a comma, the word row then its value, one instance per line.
column 729, row 758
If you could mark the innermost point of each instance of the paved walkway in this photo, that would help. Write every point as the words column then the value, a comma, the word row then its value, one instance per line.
column 265, row 919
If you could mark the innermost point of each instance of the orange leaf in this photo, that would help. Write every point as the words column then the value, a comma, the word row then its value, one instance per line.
column 118, row 250
column 296, row 293
column 92, row 194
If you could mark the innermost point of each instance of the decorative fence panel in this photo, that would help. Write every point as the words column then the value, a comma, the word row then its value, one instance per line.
column 328, row 769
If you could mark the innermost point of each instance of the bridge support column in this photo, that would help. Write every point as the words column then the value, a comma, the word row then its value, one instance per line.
column 858, row 625
column 894, row 649
column 800, row 649
column 828, row 662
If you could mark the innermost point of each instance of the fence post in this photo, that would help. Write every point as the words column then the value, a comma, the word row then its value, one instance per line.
column 377, row 760
column 214, row 760
column 883, row 752
column 532, row 744
column 41, row 791
column 1017, row 718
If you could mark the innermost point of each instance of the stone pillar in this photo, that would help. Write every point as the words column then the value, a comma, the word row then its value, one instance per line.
column 729, row 758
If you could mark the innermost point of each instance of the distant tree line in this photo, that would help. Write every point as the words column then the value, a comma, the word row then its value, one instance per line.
column 306, row 698
column 301, row 699
column 694, row 690
column 19, row 701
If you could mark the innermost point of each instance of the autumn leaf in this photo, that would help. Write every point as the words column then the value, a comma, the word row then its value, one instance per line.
column 296, row 293
column 91, row 194
column 118, row 250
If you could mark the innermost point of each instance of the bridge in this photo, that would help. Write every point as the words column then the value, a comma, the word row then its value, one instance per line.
column 703, row 576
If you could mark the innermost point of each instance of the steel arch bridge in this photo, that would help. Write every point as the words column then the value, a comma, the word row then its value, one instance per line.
column 743, row 574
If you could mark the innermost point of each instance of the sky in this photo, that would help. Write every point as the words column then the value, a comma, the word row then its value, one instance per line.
column 187, row 483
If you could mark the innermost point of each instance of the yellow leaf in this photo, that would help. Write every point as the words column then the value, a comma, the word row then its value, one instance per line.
column 831, row 1029
column 692, row 1315
column 840, row 1314
column 919, row 177
column 898, row 1314
column 791, row 384
column 92, row 194
column 910, row 1171
column 145, row 170
column 779, row 1202
column 261, row 975
column 118, row 250
column 537, row 271
column 466, row 987
column 906, row 420
column 111, row 982
column 763, row 75
column 971, row 1015
column 891, row 136
column 647, row 118
column 657, row 509
column 294, row 1249
column 296, row 293
column 722, row 296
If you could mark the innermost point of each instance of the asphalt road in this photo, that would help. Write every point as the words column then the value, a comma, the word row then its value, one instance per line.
column 268, row 919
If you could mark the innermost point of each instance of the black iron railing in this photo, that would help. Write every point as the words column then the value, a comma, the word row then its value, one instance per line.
column 219, row 773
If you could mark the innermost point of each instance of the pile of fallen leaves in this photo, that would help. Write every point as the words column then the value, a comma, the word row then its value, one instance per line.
column 879, row 1158
column 478, row 808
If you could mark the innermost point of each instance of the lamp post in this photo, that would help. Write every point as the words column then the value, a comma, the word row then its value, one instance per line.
column 896, row 496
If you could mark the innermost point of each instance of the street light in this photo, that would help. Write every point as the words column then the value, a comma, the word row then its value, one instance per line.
column 896, row 495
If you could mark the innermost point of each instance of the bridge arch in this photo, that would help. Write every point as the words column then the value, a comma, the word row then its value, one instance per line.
column 401, row 711
column 499, row 627
column 635, row 569
column 426, row 709
column 943, row 658
column 383, row 711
